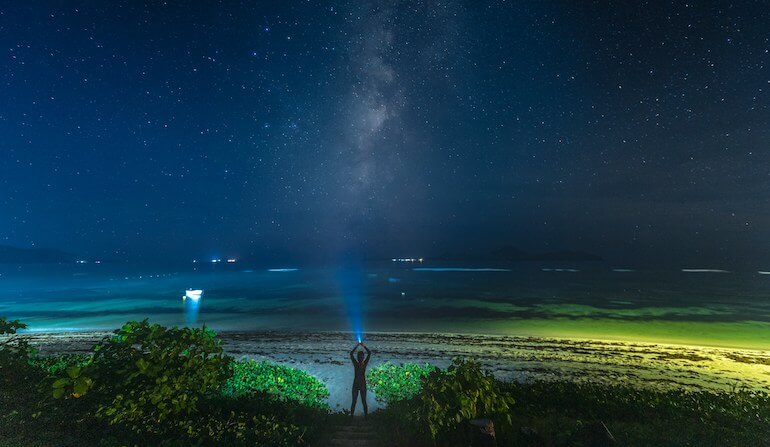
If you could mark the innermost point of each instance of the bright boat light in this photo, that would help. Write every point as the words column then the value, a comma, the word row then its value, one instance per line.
column 193, row 294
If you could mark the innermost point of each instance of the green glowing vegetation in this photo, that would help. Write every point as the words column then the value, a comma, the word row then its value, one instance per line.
column 392, row 382
column 56, row 365
column 282, row 382
column 148, row 384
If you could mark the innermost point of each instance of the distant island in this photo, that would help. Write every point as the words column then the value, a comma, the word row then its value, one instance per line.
column 15, row 255
column 509, row 253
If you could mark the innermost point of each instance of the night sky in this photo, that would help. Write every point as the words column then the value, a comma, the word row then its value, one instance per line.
column 304, row 129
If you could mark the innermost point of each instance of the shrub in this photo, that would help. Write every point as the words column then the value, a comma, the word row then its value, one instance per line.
column 12, row 349
column 233, row 428
column 147, row 385
column 57, row 364
column 148, row 378
column 10, row 327
column 16, row 373
column 448, row 399
column 18, row 379
column 392, row 383
column 281, row 382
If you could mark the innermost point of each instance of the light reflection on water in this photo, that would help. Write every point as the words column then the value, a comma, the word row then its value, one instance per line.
column 514, row 299
column 191, row 311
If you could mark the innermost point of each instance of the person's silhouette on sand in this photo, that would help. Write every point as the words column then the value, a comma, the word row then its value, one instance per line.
column 359, row 381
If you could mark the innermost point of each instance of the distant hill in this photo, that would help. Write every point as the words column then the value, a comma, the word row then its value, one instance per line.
column 508, row 253
column 15, row 255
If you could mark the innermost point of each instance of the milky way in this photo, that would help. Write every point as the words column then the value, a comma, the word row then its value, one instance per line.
column 301, row 129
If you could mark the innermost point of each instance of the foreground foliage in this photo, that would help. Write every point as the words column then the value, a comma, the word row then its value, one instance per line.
column 560, row 412
column 439, row 410
column 281, row 382
column 146, row 384
column 150, row 385
column 392, row 383
column 563, row 413
column 149, row 378
column 449, row 399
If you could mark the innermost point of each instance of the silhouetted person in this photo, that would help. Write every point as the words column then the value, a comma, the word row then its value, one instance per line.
column 359, row 381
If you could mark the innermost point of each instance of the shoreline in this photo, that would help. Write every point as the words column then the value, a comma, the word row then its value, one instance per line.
column 579, row 336
column 324, row 354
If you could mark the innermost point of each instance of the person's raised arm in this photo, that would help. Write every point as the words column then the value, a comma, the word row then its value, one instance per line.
column 368, row 353
column 353, row 359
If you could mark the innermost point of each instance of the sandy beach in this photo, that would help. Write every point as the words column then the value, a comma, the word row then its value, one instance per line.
column 325, row 355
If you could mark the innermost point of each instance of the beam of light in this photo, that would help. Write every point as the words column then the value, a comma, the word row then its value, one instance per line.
column 349, row 279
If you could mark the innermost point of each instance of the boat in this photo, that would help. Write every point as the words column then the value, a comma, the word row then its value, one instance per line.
column 193, row 294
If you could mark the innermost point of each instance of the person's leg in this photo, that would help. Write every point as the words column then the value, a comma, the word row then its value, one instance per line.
column 363, row 401
column 353, row 404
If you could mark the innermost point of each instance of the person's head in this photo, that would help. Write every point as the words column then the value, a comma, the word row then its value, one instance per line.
column 360, row 356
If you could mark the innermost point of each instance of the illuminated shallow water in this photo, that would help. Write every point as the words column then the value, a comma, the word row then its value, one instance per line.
column 570, row 301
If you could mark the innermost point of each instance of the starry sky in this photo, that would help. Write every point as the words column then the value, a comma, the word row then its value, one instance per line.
column 304, row 129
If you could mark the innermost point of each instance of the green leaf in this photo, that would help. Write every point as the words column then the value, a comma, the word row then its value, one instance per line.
column 61, row 383
column 142, row 365
column 73, row 372
column 81, row 386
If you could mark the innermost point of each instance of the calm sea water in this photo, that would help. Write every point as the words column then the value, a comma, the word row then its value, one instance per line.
column 553, row 300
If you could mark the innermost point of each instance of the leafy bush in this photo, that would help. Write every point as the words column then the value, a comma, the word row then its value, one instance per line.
column 18, row 379
column 57, row 364
column 148, row 378
column 234, row 428
column 10, row 327
column 392, row 383
column 29, row 416
column 145, row 385
column 282, row 382
column 16, row 373
column 448, row 399
column 12, row 349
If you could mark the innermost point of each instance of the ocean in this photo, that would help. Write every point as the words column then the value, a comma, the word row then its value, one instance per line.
column 691, row 306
